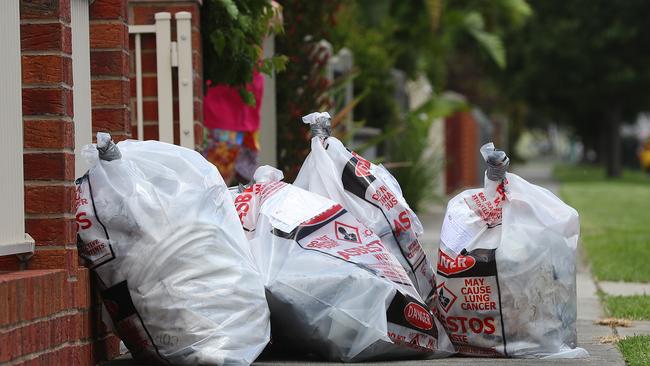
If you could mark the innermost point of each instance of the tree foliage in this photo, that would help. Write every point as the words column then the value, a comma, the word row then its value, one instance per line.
column 443, row 39
column 364, row 28
column 584, row 63
column 456, row 43
column 233, row 32
column 303, row 87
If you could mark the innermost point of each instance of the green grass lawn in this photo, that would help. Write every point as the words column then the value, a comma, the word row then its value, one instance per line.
column 636, row 350
column 615, row 234
column 614, row 219
column 591, row 174
column 628, row 307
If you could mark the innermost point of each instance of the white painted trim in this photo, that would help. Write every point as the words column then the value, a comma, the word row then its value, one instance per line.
column 135, row 29
column 83, row 127
column 25, row 246
column 13, row 239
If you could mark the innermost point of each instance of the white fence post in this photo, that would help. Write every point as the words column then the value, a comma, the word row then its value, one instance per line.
column 138, row 86
column 185, row 78
column 268, row 128
column 137, row 31
column 13, row 239
column 164, row 76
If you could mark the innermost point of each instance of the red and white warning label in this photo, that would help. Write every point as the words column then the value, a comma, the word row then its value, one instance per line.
column 95, row 248
column 369, row 182
column 469, row 302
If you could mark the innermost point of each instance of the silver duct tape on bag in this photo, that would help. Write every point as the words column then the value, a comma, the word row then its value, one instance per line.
column 107, row 149
column 320, row 124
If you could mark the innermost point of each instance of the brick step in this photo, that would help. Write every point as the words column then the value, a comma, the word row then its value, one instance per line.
column 47, row 317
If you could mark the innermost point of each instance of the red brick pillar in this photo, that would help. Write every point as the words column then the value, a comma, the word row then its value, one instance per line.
column 46, row 42
column 143, row 12
column 109, row 73
column 109, row 67
column 461, row 151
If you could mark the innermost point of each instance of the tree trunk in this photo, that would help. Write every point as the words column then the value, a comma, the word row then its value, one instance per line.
column 589, row 143
column 602, row 142
column 590, row 137
column 614, row 157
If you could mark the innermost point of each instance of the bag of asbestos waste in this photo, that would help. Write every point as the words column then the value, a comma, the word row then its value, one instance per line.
column 506, row 284
column 370, row 193
column 333, row 288
column 158, row 228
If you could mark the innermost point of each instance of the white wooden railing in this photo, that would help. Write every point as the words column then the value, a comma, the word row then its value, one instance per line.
column 168, row 54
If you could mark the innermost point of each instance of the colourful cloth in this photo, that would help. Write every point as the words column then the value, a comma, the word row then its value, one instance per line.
column 234, row 153
column 224, row 108
column 232, row 124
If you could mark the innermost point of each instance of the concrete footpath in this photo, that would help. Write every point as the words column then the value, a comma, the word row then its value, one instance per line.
column 589, row 309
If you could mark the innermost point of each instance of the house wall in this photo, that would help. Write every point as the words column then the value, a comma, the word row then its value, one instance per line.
column 49, row 311
column 109, row 68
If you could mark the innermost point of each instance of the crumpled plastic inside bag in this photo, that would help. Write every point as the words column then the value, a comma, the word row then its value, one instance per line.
column 333, row 288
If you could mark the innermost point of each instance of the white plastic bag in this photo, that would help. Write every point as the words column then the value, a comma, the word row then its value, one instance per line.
column 369, row 192
column 506, row 271
column 333, row 288
column 158, row 228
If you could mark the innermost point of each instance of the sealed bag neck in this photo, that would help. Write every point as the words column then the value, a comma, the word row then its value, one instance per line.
column 107, row 149
column 266, row 174
column 320, row 123
column 497, row 162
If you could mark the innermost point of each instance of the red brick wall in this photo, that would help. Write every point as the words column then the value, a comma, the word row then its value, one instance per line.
column 109, row 68
column 109, row 74
column 46, row 42
column 46, row 318
column 47, row 313
column 461, row 146
column 142, row 12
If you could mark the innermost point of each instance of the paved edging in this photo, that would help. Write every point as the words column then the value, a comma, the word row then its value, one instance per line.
column 624, row 288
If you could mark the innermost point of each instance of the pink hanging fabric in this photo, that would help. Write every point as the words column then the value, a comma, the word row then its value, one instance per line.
column 224, row 109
